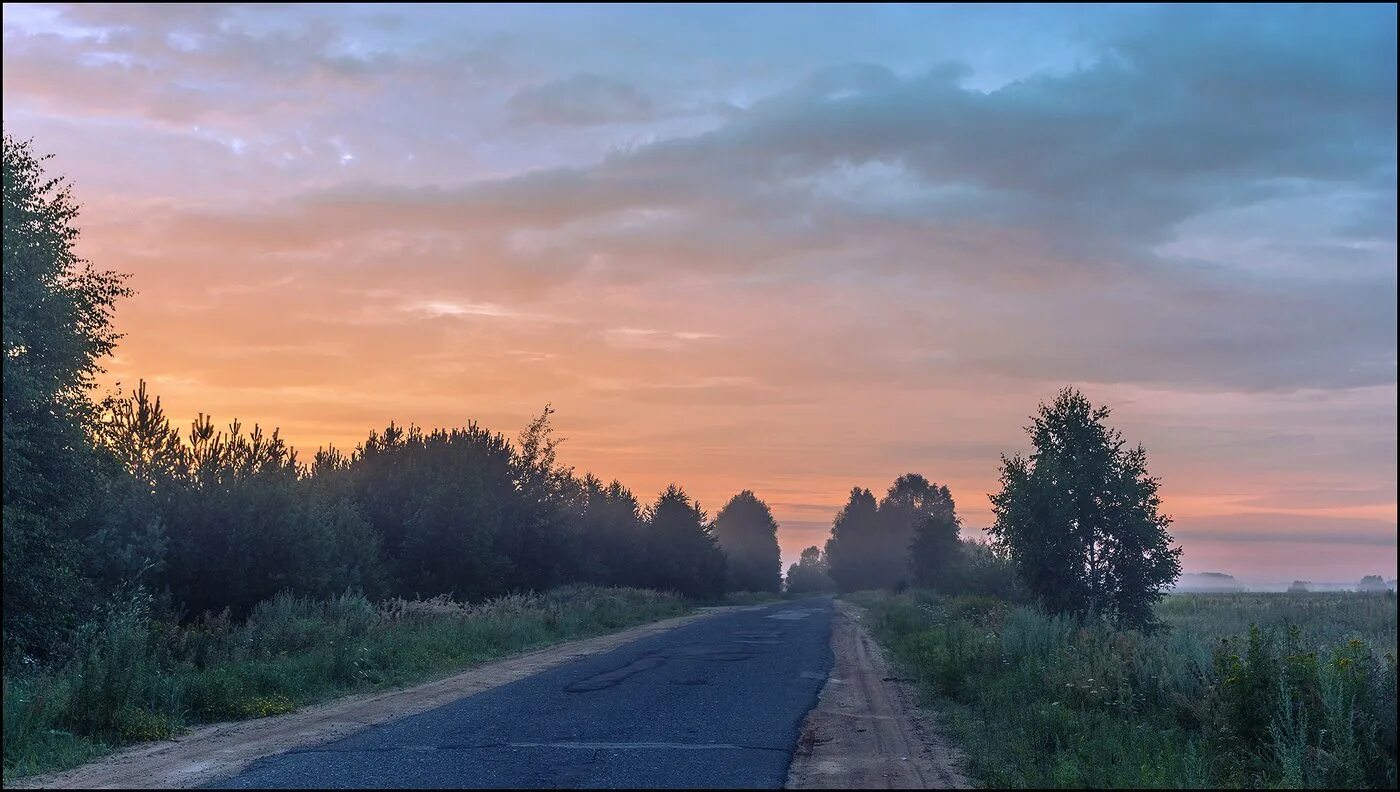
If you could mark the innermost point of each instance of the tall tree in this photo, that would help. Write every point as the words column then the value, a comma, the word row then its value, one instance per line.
column 921, row 528
column 935, row 552
column 610, row 520
column 1079, row 517
column 545, row 545
column 748, row 534
column 856, row 549
column 682, row 553
column 143, row 461
column 57, row 328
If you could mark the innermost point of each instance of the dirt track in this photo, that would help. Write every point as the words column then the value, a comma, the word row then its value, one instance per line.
column 211, row 753
column 865, row 732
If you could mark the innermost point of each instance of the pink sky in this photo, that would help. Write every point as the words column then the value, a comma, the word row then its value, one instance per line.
column 786, row 251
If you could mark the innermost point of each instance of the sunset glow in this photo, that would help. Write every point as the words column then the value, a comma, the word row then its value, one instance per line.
column 769, row 248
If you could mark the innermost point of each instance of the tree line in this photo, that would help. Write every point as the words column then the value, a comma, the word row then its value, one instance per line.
column 1078, row 528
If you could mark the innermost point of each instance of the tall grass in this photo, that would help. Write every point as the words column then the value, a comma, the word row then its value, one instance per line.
column 143, row 680
column 1306, row 697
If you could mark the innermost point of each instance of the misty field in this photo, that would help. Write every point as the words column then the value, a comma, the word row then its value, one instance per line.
column 1241, row 690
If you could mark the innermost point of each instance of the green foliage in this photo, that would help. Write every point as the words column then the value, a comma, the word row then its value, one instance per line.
column 1079, row 518
column 1304, row 699
column 57, row 327
column 927, row 511
column 809, row 575
column 748, row 535
column 141, row 679
column 983, row 570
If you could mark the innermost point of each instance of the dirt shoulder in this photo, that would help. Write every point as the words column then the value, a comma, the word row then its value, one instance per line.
column 866, row 732
column 210, row 753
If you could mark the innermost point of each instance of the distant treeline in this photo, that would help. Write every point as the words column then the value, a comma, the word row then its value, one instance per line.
column 909, row 537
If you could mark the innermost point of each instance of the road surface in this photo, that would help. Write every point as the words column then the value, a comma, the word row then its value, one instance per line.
column 715, row 703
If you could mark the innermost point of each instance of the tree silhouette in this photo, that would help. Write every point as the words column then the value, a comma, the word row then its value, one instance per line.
column 1372, row 583
column 1079, row 517
column 748, row 535
column 614, row 547
column 856, row 552
column 920, row 516
column 810, row 574
column 682, row 553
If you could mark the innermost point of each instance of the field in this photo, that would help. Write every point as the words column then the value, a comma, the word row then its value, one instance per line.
column 142, row 680
column 1243, row 690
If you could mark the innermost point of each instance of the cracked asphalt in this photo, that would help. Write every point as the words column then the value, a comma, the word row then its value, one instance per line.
column 716, row 703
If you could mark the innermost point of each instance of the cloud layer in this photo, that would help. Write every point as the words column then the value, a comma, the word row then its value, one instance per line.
column 793, row 251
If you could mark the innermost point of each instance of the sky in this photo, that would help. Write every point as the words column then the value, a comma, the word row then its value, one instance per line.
column 793, row 250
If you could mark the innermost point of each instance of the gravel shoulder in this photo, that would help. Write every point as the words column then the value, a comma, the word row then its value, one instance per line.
column 866, row 731
column 211, row 753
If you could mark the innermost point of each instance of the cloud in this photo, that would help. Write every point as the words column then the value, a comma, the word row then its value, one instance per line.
column 1083, row 201
column 581, row 100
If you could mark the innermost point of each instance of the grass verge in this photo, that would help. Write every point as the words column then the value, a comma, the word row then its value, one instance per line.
column 1307, row 699
column 142, row 680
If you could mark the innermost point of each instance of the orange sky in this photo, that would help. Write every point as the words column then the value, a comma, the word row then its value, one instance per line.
column 736, row 262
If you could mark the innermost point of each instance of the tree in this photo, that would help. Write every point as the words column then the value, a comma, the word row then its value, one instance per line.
column 809, row 574
column 56, row 330
column 610, row 520
column 143, row 461
column 986, row 571
column 854, row 551
column 682, row 553
column 1079, row 518
column 920, row 515
column 748, row 535
column 1372, row 583
column 545, row 545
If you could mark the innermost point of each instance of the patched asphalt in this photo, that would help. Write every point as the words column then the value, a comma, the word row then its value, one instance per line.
column 716, row 703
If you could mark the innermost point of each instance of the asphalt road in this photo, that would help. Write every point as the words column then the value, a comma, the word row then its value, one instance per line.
column 716, row 703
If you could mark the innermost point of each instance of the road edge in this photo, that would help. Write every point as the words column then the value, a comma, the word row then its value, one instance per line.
column 866, row 731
